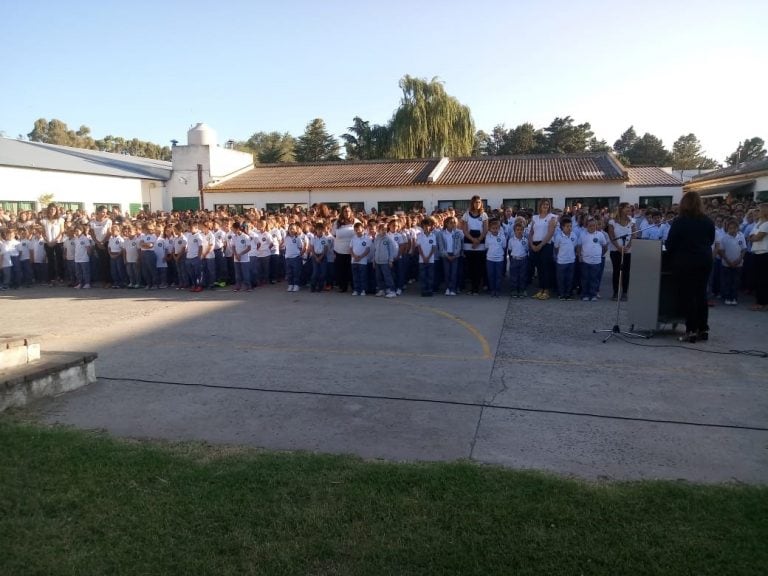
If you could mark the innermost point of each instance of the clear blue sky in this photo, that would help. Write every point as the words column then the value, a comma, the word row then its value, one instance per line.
column 152, row 69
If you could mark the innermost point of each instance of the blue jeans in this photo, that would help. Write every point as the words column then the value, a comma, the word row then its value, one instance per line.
column 26, row 272
column 243, row 274
column 451, row 273
column 494, row 270
column 590, row 279
column 401, row 272
column 427, row 278
column 132, row 269
column 293, row 270
column 263, row 265
column 194, row 271
column 209, row 272
column 318, row 274
column 565, row 278
column 83, row 273
column 518, row 274
column 729, row 282
column 149, row 267
column 384, row 279
column 117, row 270
column 359, row 277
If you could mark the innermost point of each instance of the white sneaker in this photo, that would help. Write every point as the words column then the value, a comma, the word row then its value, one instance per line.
column 290, row 288
column 380, row 293
column 452, row 293
column 362, row 293
column 296, row 288
column 447, row 292
column 391, row 295
column 355, row 294
column 398, row 292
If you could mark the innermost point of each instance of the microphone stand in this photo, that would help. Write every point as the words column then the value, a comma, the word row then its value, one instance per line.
column 616, row 330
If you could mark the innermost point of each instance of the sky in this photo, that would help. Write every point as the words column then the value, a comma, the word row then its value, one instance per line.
column 151, row 70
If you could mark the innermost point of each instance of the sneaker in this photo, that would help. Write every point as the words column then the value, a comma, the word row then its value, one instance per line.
column 593, row 299
column 398, row 292
column 447, row 292
column 390, row 295
column 249, row 289
column 235, row 288
column 76, row 286
column 380, row 293
column 453, row 293
column 734, row 302
column 355, row 293
column 86, row 286
column 362, row 293
column 290, row 288
column 585, row 299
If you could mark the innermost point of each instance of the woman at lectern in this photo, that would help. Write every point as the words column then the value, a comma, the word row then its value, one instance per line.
column 689, row 245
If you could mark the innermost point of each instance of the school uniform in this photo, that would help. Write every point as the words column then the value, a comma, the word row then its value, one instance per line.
column 518, row 265
column 194, row 265
column 264, row 251
column 385, row 251
column 220, row 265
column 293, row 250
column 241, row 246
column 449, row 245
column 591, row 254
column 39, row 257
column 148, row 260
column 5, row 266
column 12, row 246
column 734, row 248
column 276, row 259
column 161, row 252
column 565, row 247
column 330, row 271
column 209, row 261
column 495, row 248
column 180, row 260
column 319, row 249
column 83, row 246
column 358, row 246
column 25, row 262
column 131, row 247
column 426, row 244
column 116, row 263
column 69, row 259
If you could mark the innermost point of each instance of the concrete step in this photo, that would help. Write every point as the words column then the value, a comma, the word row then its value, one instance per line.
column 18, row 350
column 53, row 374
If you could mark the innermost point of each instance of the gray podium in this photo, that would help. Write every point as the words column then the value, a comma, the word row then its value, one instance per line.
column 651, row 293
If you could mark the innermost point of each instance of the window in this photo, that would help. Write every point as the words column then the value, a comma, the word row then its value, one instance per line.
column 108, row 205
column 660, row 202
column 13, row 206
column 458, row 205
column 233, row 208
column 390, row 208
column 610, row 202
column 356, row 206
column 183, row 203
column 280, row 207
column 517, row 204
column 72, row 206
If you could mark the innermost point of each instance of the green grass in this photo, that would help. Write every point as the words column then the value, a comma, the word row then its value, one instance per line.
column 79, row 503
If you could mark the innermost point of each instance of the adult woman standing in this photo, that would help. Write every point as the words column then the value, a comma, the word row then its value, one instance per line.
column 53, row 230
column 689, row 245
column 621, row 230
column 343, row 231
column 759, row 239
column 543, row 227
column 475, row 227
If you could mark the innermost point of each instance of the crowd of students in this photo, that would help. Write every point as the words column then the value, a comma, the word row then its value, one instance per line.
column 477, row 251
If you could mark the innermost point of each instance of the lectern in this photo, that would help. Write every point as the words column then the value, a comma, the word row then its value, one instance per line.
column 652, row 298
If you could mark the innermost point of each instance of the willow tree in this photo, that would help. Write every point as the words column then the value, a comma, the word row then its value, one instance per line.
column 430, row 123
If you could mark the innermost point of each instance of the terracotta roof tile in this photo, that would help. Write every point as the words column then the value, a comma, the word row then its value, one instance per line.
column 378, row 174
column 751, row 167
column 650, row 176
column 534, row 168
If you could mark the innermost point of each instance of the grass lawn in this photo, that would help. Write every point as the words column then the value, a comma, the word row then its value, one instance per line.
column 79, row 503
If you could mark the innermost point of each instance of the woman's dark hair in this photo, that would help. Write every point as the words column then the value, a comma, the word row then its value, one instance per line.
column 691, row 205
column 342, row 219
column 472, row 204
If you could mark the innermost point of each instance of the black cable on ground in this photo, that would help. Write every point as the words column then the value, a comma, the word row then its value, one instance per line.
column 443, row 402
column 755, row 353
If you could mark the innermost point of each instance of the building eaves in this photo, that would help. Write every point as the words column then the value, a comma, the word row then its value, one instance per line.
column 745, row 170
column 651, row 177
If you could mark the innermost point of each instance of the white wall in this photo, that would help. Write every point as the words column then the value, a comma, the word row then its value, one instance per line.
column 22, row 184
column 429, row 195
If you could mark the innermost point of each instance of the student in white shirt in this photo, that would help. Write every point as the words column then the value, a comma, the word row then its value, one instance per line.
column 732, row 246
column 450, row 242
column 359, row 249
column 115, row 249
column 5, row 260
column 69, row 257
column 162, row 249
column 565, row 258
column 517, row 247
column 25, row 258
column 241, row 246
column 39, row 263
column 148, row 257
column 264, row 251
column 208, row 256
column 426, row 246
column 131, row 251
column 83, row 247
column 319, row 249
column 294, row 250
column 194, row 264
column 495, row 249
column 591, row 252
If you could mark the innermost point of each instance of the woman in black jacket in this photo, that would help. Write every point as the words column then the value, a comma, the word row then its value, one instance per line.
column 689, row 244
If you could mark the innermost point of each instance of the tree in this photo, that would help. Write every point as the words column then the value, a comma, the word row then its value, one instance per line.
column 523, row 139
column 563, row 137
column 269, row 147
column 648, row 151
column 750, row 149
column 366, row 142
column 429, row 122
column 316, row 145
column 624, row 143
column 493, row 144
column 686, row 154
column 596, row 145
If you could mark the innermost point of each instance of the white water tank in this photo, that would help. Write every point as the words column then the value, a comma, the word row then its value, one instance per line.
column 201, row 135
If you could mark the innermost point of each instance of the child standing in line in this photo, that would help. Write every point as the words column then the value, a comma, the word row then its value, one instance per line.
column 179, row 242
column 12, row 245
column 565, row 257
column 426, row 246
column 732, row 246
column 495, row 248
column 385, row 251
column 401, row 262
column 162, row 247
column 264, row 252
column 69, row 257
column 517, row 246
column 116, row 249
column 319, row 249
column 83, row 247
column 131, row 250
column 148, row 257
column 208, row 256
column 39, row 260
column 360, row 248
column 5, row 260
column 294, row 250
column 194, row 251
column 450, row 242
column 241, row 248
column 591, row 251
column 25, row 258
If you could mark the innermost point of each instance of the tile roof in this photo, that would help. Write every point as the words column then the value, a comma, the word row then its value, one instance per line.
column 650, row 176
column 374, row 174
column 598, row 167
column 751, row 167
column 532, row 169
column 24, row 154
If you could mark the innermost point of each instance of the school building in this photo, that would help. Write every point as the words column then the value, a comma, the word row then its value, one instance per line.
column 745, row 181
column 203, row 173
